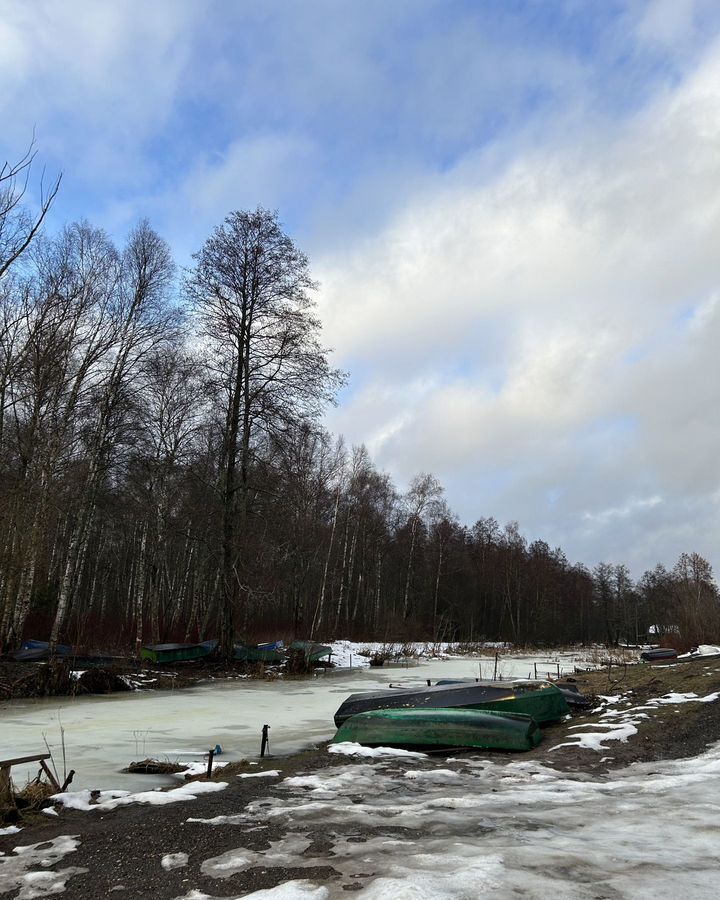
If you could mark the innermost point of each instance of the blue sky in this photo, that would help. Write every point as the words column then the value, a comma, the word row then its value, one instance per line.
column 510, row 206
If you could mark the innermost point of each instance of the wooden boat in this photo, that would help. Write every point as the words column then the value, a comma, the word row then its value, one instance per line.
column 539, row 699
column 436, row 728
column 270, row 653
column 313, row 652
column 171, row 653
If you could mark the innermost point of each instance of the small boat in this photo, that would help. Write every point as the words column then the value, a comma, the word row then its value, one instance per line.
column 539, row 699
column 270, row 653
column 659, row 654
column 171, row 653
column 313, row 652
column 441, row 728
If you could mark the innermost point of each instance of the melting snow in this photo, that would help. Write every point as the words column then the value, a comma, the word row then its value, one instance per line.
column 621, row 724
column 174, row 861
column 18, row 869
column 107, row 800
column 271, row 773
column 348, row 748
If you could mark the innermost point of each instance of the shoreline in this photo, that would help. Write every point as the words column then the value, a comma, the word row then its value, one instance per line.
column 121, row 849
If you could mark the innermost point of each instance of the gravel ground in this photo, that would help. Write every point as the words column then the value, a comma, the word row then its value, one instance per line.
column 122, row 848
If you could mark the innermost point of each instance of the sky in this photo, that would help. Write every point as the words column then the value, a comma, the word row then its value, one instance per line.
column 512, row 208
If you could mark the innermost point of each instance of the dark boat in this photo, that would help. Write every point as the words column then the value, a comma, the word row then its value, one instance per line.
column 313, row 652
column 539, row 699
column 658, row 654
column 568, row 689
column 270, row 653
column 441, row 728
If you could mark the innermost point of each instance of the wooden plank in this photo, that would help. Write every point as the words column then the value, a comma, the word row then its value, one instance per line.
column 51, row 777
column 23, row 759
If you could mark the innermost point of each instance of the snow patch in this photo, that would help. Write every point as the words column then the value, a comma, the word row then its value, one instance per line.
column 348, row 748
column 271, row 773
column 174, row 861
column 17, row 870
column 108, row 800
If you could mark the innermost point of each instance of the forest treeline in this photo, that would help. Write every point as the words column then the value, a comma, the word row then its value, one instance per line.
column 164, row 473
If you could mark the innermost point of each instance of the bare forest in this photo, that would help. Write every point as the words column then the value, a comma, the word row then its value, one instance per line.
column 165, row 474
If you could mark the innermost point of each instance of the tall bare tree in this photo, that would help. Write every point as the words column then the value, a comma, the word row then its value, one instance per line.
column 251, row 289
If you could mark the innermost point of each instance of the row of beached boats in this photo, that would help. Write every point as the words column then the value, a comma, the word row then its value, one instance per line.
column 272, row 653
column 488, row 715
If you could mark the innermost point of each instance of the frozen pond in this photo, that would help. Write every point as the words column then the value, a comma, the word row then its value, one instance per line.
column 105, row 733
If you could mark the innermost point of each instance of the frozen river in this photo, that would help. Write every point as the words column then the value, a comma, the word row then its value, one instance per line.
column 105, row 733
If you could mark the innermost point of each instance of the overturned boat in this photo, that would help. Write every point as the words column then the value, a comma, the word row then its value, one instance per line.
column 539, row 699
column 270, row 653
column 172, row 653
column 313, row 652
column 441, row 728
column 659, row 654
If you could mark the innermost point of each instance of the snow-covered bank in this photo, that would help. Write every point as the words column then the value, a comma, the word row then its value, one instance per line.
column 409, row 827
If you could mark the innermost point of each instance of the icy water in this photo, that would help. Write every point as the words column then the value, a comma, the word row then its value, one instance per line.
column 105, row 733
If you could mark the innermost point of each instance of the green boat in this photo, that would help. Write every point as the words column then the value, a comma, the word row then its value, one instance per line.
column 539, row 699
column 172, row 653
column 313, row 652
column 270, row 654
column 436, row 728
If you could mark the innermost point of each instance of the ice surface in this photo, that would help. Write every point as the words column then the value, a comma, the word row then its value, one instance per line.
column 103, row 734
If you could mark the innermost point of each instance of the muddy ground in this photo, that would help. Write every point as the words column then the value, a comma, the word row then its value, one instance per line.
column 122, row 848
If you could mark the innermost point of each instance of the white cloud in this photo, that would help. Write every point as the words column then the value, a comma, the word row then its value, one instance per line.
column 596, row 262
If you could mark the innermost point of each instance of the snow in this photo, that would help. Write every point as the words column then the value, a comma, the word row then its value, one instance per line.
column 290, row 890
column 27, row 868
column 109, row 800
column 199, row 768
column 495, row 830
column 271, row 773
column 348, row 748
column 11, row 829
column 174, row 861
column 622, row 723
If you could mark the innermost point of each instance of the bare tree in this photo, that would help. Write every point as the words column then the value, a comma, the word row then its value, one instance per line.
column 251, row 289
column 18, row 227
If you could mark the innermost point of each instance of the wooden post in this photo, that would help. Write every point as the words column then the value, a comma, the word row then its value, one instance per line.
column 264, row 743
column 211, row 753
column 6, row 796
column 496, row 664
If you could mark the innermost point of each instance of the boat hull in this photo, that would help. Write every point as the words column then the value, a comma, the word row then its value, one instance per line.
column 436, row 728
column 313, row 652
column 270, row 654
column 171, row 653
column 541, row 700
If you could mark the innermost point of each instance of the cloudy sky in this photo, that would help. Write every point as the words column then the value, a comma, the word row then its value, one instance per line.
column 513, row 209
